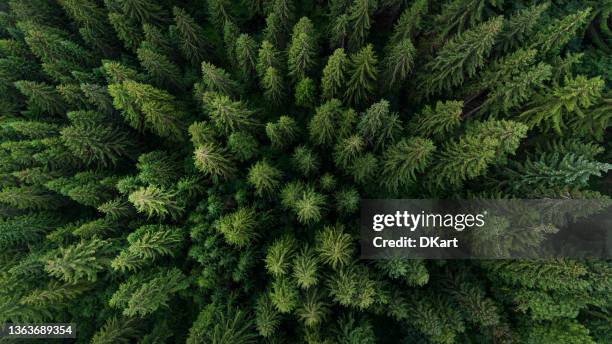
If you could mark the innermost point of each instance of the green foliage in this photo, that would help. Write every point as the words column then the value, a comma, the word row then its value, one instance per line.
column 363, row 75
column 227, row 115
column 147, row 244
column 94, row 140
column 302, row 49
column 403, row 160
column 334, row 74
column 190, row 36
column 239, row 228
column 211, row 161
column 144, row 106
column 295, row 112
column 462, row 56
column 282, row 132
column 264, row 177
column 80, row 262
column 155, row 201
column 440, row 120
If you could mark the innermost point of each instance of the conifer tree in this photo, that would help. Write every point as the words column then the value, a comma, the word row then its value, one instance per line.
column 273, row 85
column 246, row 55
column 302, row 49
column 80, row 262
column 211, row 160
column 155, row 201
column 160, row 68
column 190, row 36
column 462, row 56
column 363, row 75
column 519, row 26
column 410, row 22
column 334, row 74
column 559, row 32
column 378, row 125
column 445, row 117
column 305, row 93
column 145, row 106
column 247, row 233
column 239, row 228
column 93, row 140
column 126, row 29
column 268, row 56
column 227, row 115
column 403, row 160
column 264, row 177
column 574, row 97
column 399, row 61
column 282, row 132
column 42, row 98
column 218, row 80
column 359, row 15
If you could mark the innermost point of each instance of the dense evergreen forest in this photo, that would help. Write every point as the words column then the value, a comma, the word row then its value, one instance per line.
column 191, row 171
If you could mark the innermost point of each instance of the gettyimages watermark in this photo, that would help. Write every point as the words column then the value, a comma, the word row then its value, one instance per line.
column 486, row 229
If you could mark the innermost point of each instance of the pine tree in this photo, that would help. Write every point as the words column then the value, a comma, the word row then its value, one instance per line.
column 160, row 68
column 80, row 262
column 282, row 132
column 359, row 16
column 218, row 80
column 462, row 56
column 442, row 119
column 378, row 126
column 551, row 111
column 126, row 29
column 403, row 160
column 273, row 85
column 91, row 138
column 313, row 310
column 309, row 206
column 559, row 32
column 457, row 15
column 519, row 26
column 305, row 93
column 267, row 317
column 322, row 126
column 305, row 268
column 268, row 56
column 279, row 255
column 334, row 246
column 147, row 244
column 305, row 160
column 155, row 201
column 42, row 98
column 246, row 55
column 116, row 331
column 264, row 177
column 142, row 11
column 464, row 159
column 410, row 22
column 399, row 61
column 363, row 75
column 211, row 160
column 301, row 57
column 155, row 293
column 145, row 106
column 227, row 115
column 190, row 36
column 158, row 168
column 284, row 295
column 334, row 74
column 239, row 227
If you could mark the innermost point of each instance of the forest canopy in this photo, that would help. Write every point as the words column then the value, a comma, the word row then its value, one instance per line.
column 191, row 171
